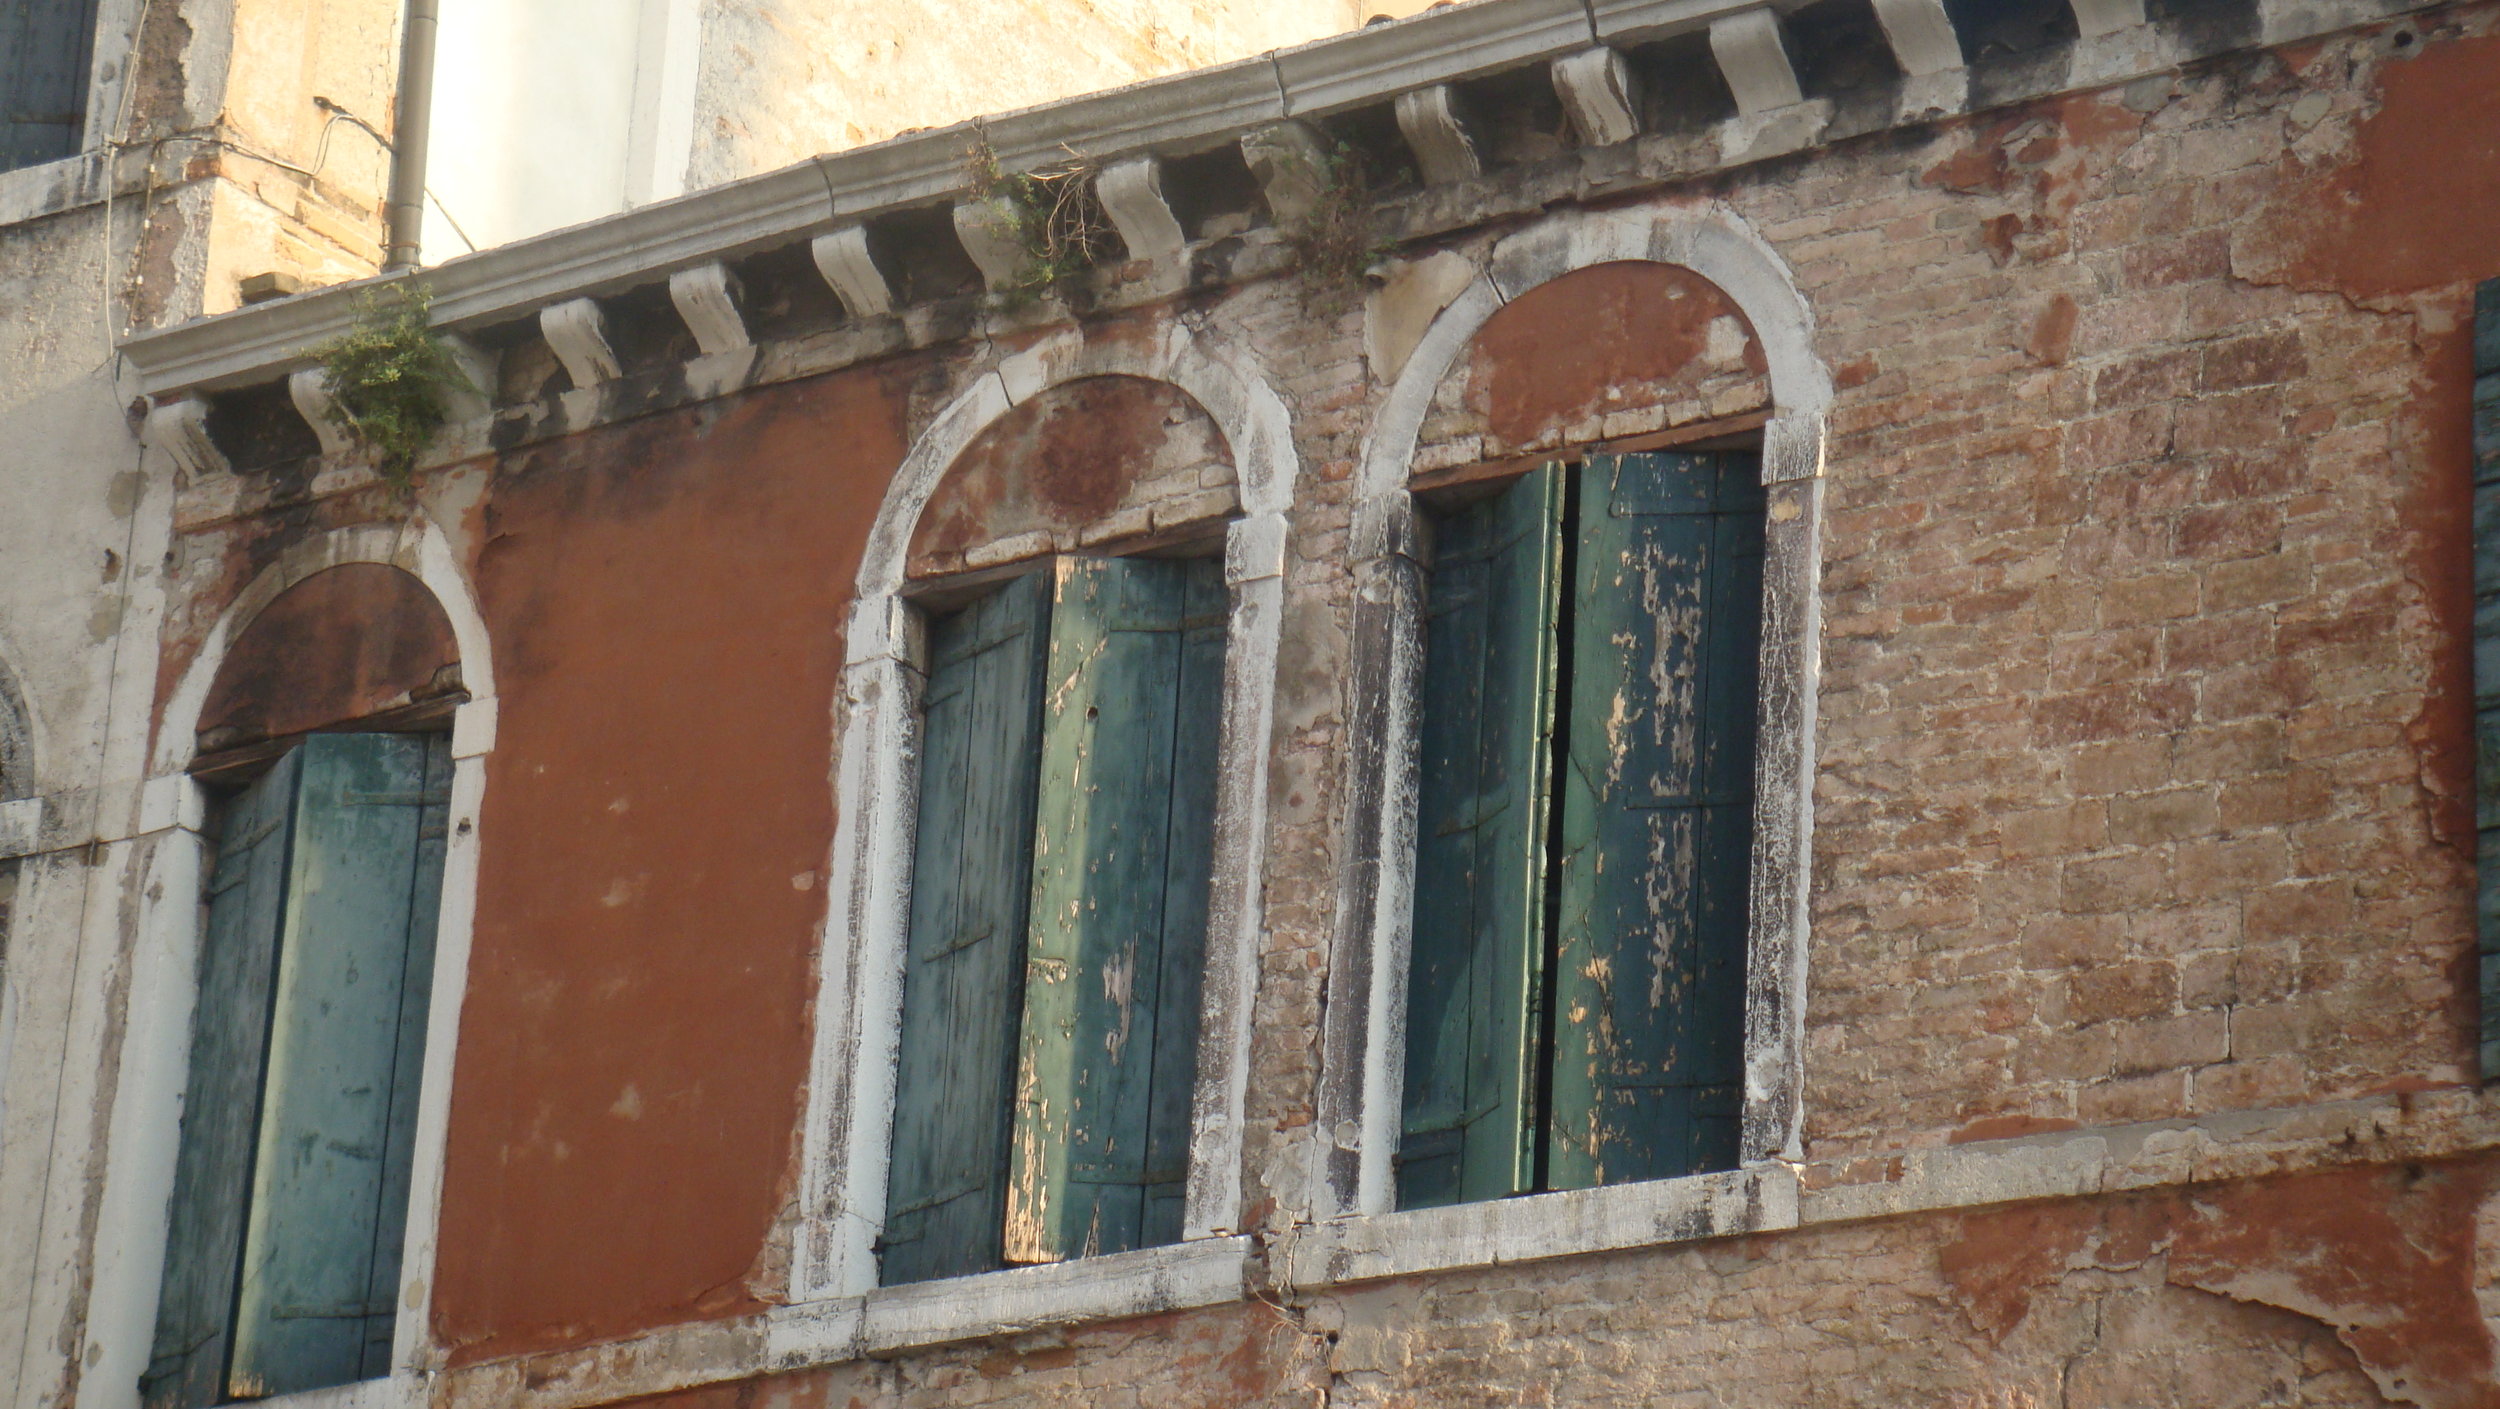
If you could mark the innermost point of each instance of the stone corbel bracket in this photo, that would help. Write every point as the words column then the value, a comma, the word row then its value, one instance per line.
column 1429, row 119
column 987, row 231
column 1772, row 114
column 843, row 258
column 1595, row 86
column 1934, row 80
column 1131, row 193
column 179, row 428
column 707, row 299
column 309, row 389
column 476, row 400
column 1290, row 161
column 2115, row 41
column 578, row 333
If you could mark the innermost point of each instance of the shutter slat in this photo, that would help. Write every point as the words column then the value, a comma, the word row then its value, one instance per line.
column 1657, row 819
column 330, row 1177
column 2486, row 433
column 1120, row 854
column 221, row 1101
column 1476, row 963
column 945, row 1194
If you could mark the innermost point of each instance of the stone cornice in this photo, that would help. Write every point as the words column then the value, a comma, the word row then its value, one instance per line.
column 1182, row 114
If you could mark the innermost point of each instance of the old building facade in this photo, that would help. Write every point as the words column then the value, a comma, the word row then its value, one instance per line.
column 2000, row 477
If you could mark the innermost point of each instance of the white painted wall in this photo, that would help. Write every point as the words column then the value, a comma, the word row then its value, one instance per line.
column 548, row 113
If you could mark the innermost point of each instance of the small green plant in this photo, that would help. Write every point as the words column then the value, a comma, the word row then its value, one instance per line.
column 1057, row 221
column 389, row 375
column 1332, row 243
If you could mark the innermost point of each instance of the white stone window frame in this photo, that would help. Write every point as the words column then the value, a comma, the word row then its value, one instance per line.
column 1360, row 1233
column 67, row 183
column 837, row 1306
column 145, row 1138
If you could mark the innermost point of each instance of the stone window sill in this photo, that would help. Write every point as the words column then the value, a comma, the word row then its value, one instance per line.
column 402, row 1391
column 1362, row 1247
column 1207, row 1272
column 49, row 188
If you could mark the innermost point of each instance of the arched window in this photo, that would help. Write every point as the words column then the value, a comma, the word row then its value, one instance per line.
column 1033, row 1019
column 325, row 745
column 1581, row 765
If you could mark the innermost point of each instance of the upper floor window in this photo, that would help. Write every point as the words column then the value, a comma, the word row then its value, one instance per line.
column 45, row 49
column 1584, row 830
column 1058, row 918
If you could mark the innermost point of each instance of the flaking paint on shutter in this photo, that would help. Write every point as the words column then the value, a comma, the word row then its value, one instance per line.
column 329, row 1189
column 1121, row 850
column 44, row 48
column 1476, row 967
column 221, row 1103
column 2487, row 658
column 1657, row 820
column 945, row 1195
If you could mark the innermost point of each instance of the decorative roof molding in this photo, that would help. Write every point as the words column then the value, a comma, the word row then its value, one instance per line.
column 1174, row 116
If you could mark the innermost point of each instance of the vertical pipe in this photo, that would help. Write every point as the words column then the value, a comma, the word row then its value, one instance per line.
column 413, row 113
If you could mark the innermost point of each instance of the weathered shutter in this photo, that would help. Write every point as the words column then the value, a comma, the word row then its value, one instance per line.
column 1476, row 970
column 221, row 1106
column 2487, row 655
column 1657, row 819
column 43, row 79
column 1121, row 851
column 946, row 1186
column 355, row 961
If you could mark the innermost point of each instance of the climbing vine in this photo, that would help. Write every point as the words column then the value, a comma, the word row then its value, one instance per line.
column 389, row 375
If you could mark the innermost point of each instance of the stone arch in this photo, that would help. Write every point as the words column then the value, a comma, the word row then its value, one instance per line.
column 418, row 548
column 1363, row 1045
column 850, row 1099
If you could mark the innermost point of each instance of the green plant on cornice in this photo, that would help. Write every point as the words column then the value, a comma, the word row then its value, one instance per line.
column 1055, row 218
column 1332, row 243
column 389, row 376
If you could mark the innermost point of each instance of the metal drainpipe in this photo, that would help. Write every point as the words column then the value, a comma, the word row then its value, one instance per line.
column 414, row 110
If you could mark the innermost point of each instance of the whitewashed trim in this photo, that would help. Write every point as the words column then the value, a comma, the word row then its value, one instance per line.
column 1498, row 1231
column 1363, row 1043
column 842, row 1181
column 155, row 1057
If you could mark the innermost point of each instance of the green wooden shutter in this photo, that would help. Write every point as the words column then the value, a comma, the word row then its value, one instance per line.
column 946, row 1186
column 43, row 79
column 1476, row 968
column 221, row 1107
column 1657, row 819
column 308, row 1040
column 355, row 962
column 1121, row 851
column 2487, row 656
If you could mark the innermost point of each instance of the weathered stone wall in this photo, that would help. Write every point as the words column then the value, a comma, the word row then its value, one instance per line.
column 2140, row 802
column 848, row 72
